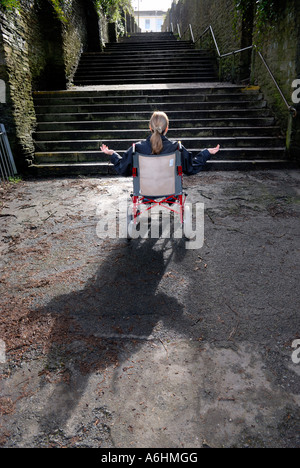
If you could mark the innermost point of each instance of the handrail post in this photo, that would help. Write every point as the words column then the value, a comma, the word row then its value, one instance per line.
column 292, row 110
column 215, row 41
column 273, row 78
column 178, row 29
column 192, row 34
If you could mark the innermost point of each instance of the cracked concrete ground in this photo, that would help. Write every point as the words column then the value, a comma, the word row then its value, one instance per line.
column 109, row 343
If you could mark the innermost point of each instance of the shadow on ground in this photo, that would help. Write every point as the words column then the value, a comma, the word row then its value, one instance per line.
column 119, row 305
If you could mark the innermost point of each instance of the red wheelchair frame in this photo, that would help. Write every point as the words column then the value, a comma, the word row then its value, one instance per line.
column 174, row 203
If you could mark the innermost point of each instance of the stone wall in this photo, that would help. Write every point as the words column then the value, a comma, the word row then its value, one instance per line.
column 279, row 45
column 295, row 124
column 39, row 51
column 18, row 112
column 202, row 13
column 231, row 31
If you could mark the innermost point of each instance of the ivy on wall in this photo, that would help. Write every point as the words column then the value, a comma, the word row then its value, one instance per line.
column 57, row 5
column 267, row 11
column 15, row 4
column 111, row 8
column 259, row 16
column 10, row 4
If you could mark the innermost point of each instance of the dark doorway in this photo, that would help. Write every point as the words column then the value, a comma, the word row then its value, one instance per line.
column 247, row 39
column 92, row 24
column 47, row 61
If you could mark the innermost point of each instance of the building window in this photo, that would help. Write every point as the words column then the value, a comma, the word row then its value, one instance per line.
column 159, row 23
column 147, row 24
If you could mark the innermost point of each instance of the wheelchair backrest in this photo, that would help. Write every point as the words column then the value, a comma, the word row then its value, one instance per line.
column 157, row 175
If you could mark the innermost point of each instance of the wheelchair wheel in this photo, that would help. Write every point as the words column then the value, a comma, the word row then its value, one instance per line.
column 188, row 223
column 130, row 230
column 130, row 224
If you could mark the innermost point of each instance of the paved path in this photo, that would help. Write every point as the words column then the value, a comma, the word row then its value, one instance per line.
column 149, row 344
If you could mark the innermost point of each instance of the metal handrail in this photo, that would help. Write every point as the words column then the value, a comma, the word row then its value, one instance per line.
column 235, row 52
column 7, row 164
column 192, row 34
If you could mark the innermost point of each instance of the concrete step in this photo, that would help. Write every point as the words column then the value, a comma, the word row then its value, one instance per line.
column 166, row 76
column 102, row 168
column 149, row 36
column 152, row 79
column 139, row 69
column 150, row 107
column 211, row 89
column 140, row 99
column 130, row 62
column 144, row 124
column 134, row 134
column 227, row 154
column 147, row 55
column 124, row 144
column 180, row 114
column 144, row 46
column 133, row 59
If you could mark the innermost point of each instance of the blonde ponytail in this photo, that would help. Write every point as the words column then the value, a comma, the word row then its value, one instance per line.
column 158, row 124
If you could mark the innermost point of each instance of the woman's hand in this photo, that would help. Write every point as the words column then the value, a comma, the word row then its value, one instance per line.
column 106, row 150
column 214, row 150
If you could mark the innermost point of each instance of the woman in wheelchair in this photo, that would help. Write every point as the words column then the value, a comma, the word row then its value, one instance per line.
column 158, row 143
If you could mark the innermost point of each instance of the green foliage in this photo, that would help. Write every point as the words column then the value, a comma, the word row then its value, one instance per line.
column 10, row 4
column 15, row 180
column 112, row 8
column 242, row 10
column 57, row 5
column 266, row 15
column 267, row 11
column 15, row 4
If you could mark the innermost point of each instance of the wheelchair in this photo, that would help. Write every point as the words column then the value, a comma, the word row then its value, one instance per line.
column 158, row 181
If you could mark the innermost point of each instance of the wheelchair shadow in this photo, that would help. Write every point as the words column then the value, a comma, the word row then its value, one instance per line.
column 106, row 322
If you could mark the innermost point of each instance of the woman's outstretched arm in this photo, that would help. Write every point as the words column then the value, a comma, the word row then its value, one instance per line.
column 123, row 165
column 194, row 164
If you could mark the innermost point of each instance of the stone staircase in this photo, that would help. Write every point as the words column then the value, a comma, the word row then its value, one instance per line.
column 146, row 58
column 72, row 124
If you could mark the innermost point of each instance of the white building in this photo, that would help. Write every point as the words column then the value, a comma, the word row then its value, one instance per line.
column 150, row 21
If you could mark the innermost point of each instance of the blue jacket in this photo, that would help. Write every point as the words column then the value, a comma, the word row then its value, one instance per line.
column 190, row 164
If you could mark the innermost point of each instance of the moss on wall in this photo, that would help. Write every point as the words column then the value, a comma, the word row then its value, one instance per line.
column 278, row 40
column 279, row 48
column 38, row 51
